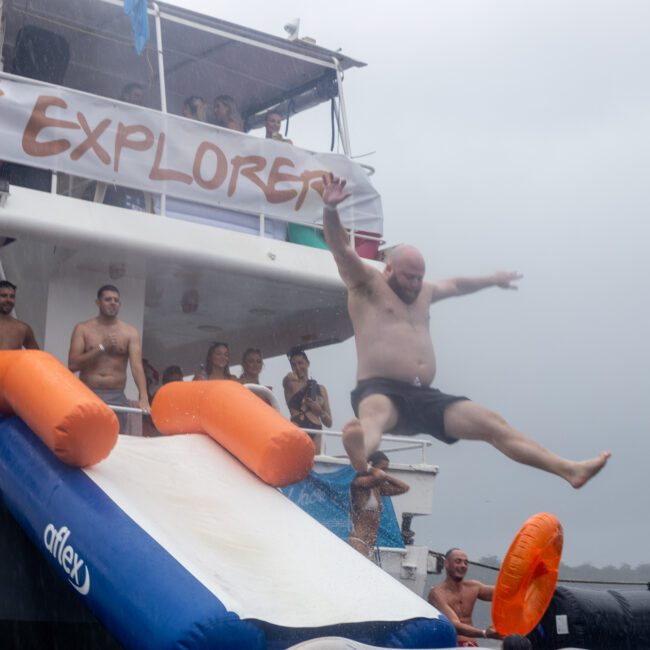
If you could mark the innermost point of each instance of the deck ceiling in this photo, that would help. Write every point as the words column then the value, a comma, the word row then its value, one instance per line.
column 245, row 311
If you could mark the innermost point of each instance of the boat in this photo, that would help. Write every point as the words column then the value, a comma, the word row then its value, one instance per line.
column 209, row 233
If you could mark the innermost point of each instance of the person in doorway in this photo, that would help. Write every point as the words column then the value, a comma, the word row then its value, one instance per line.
column 14, row 334
column 396, row 363
column 100, row 350
column 455, row 597
column 366, row 491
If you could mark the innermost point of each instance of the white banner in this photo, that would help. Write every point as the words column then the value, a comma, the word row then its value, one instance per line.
column 57, row 128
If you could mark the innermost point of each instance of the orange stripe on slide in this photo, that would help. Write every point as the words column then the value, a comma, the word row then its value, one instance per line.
column 62, row 411
column 528, row 575
column 260, row 437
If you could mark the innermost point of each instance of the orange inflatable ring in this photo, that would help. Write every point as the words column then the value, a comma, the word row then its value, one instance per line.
column 528, row 576
column 261, row 438
column 63, row 412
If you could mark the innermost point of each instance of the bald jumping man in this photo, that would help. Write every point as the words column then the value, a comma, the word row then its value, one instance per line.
column 396, row 362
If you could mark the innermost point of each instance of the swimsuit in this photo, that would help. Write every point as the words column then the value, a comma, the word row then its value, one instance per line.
column 420, row 408
column 114, row 398
column 295, row 404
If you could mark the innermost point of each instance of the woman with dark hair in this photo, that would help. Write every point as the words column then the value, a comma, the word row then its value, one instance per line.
column 226, row 113
column 307, row 400
column 217, row 363
column 252, row 364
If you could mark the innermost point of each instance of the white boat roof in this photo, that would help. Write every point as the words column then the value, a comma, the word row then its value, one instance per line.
column 202, row 55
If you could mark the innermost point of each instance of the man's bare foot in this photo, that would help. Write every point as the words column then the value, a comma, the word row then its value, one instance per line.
column 354, row 444
column 585, row 470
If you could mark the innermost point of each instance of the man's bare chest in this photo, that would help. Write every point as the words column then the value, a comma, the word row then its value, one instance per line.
column 386, row 308
column 113, row 338
column 463, row 602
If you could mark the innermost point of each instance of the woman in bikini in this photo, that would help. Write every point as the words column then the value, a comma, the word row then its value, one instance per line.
column 366, row 491
column 307, row 400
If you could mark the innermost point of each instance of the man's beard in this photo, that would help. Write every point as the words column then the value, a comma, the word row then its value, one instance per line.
column 403, row 294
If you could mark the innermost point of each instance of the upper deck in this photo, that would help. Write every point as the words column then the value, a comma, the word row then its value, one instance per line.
column 212, row 252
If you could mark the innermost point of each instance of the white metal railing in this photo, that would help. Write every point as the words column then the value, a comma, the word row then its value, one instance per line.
column 414, row 443
column 263, row 391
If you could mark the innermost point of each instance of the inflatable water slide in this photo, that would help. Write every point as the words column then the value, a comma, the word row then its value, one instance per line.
column 184, row 541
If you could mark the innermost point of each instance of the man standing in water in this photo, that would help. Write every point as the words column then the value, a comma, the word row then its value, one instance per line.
column 100, row 349
column 396, row 362
column 455, row 597
column 14, row 334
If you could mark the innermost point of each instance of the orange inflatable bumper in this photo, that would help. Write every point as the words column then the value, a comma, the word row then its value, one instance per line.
column 62, row 411
column 528, row 575
column 262, row 439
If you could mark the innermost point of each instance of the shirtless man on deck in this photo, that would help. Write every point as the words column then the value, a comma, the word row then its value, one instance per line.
column 101, row 347
column 396, row 362
column 14, row 334
column 455, row 597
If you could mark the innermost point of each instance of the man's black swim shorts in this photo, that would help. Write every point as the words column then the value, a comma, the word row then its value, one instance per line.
column 421, row 408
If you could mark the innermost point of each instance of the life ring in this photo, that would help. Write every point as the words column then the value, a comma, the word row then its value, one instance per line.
column 528, row 575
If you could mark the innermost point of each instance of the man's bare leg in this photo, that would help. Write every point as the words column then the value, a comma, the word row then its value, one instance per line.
column 362, row 437
column 469, row 421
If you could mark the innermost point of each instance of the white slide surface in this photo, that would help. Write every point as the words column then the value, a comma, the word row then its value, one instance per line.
column 254, row 549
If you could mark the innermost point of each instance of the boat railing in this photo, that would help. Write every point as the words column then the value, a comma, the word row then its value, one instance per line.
column 264, row 227
column 413, row 443
column 258, row 188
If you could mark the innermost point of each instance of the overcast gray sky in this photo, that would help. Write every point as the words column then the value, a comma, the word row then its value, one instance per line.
column 511, row 135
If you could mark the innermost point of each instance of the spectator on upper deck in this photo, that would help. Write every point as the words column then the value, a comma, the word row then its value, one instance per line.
column 307, row 400
column 217, row 363
column 133, row 93
column 226, row 113
column 272, row 123
column 116, row 195
column 195, row 108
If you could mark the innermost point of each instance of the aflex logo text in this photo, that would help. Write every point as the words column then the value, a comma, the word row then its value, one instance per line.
column 56, row 543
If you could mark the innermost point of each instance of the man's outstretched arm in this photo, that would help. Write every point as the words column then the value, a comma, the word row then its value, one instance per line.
column 462, row 286
column 351, row 267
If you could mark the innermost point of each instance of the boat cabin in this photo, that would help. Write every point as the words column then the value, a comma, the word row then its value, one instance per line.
column 210, row 233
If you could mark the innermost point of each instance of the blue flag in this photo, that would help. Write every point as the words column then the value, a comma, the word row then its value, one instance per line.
column 137, row 9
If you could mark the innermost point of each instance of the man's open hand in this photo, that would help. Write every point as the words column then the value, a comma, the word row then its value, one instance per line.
column 334, row 190
column 505, row 279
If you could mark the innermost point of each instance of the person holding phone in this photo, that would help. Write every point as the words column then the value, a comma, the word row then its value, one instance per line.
column 307, row 400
